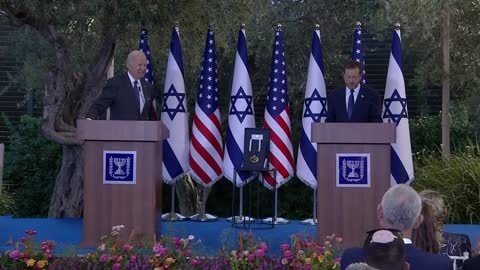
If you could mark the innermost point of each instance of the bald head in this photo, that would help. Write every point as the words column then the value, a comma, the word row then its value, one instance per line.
column 137, row 64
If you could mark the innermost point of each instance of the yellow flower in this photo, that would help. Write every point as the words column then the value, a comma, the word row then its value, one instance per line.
column 31, row 262
column 308, row 260
column 42, row 263
column 156, row 268
column 169, row 260
column 328, row 253
column 321, row 258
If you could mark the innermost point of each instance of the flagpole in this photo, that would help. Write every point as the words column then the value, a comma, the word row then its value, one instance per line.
column 172, row 216
column 312, row 221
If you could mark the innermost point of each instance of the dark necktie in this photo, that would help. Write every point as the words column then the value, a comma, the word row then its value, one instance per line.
column 351, row 102
column 139, row 95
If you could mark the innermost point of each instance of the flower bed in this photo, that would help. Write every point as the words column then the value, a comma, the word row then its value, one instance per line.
column 175, row 253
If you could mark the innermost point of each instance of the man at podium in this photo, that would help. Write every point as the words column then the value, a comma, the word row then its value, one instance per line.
column 355, row 102
column 128, row 95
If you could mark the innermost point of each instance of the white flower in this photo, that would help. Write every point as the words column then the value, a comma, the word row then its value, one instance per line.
column 191, row 237
column 101, row 247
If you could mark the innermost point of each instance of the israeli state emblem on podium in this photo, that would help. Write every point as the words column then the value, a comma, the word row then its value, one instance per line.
column 119, row 167
column 353, row 169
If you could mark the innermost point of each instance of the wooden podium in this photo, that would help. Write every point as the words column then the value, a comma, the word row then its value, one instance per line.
column 136, row 206
column 350, row 211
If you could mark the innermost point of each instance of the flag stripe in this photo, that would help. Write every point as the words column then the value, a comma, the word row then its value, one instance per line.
column 236, row 156
column 207, row 133
column 176, row 49
column 317, row 51
column 399, row 173
column 206, row 156
column 308, row 150
column 171, row 162
column 280, row 144
column 198, row 171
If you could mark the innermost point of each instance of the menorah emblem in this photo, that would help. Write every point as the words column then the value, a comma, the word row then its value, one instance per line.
column 353, row 164
column 119, row 162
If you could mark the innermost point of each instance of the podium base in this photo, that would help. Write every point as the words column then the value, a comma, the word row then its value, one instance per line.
column 172, row 217
column 279, row 221
column 310, row 221
column 203, row 217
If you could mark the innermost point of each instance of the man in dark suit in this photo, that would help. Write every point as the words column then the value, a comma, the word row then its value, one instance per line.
column 354, row 102
column 400, row 209
column 128, row 95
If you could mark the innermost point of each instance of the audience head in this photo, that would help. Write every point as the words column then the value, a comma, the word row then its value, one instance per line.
column 425, row 236
column 400, row 208
column 436, row 201
column 360, row 266
column 385, row 249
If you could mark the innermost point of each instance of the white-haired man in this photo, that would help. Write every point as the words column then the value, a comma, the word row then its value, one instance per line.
column 128, row 95
column 400, row 209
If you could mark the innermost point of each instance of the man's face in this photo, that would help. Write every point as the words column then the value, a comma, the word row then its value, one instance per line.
column 352, row 77
column 137, row 66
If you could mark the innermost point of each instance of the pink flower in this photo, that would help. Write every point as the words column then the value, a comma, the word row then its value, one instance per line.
column 187, row 252
column 133, row 258
column 127, row 247
column 194, row 262
column 263, row 246
column 30, row 232
column 251, row 257
column 260, row 253
column 284, row 247
column 104, row 258
column 159, row 250
column 116, row 266
column 287, row 254
column 15, row 254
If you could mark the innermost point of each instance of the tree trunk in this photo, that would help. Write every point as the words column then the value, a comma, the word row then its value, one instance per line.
column 67, row 196
column 189, row 196
column 446, row 82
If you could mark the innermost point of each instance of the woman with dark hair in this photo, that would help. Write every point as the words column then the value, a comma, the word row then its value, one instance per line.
column 425, row 237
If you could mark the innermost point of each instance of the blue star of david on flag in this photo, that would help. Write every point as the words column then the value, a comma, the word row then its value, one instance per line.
column 316, row 116
column 173, row 110
column 393, row 112
column 237, row 111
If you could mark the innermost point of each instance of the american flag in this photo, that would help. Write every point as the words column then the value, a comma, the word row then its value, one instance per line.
column 143, row 46
column 206, row 151
column 277, row 119
column 395, row 111
column 314, row 111
column 241, row 116
column 357, row 49
column 174, row 115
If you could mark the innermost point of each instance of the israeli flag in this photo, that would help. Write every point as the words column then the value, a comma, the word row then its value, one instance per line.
column 174, row 115
column 241, row 116
column 314, row 111
column 395, row 111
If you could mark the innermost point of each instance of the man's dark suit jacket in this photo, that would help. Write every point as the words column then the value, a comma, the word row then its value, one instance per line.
column 472, row 263
column 418, row 259
column 366, row 108
column 119, row 95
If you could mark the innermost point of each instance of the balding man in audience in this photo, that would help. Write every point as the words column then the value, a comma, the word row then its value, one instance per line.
column 400, row 209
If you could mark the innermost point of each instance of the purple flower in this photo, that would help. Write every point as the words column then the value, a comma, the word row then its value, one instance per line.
column 14, row 254
column 284, row 247
column 116, row 266
column 104, row 258
column 251, row 257
column 194, row 262
column 287, row 254
column 187, row 252
column 260, row 253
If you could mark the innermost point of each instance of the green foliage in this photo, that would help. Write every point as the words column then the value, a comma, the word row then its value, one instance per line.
column 6, row 203
column 458, row 179
column 426, row 131
column 31, row 164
